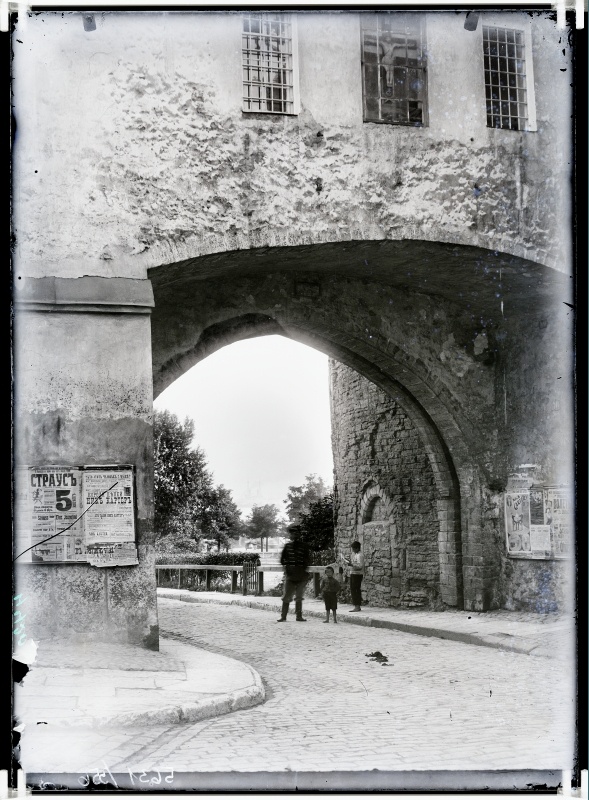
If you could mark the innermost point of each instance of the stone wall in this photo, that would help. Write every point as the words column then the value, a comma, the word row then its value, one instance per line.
column 83, row 396
column 378, row 452
column 386, row 498
column 543, row 587
column 148, row 159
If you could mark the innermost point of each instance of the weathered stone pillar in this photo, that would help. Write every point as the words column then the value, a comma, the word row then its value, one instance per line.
column 480, row 556
column 83, row 396
column 376, row 545
column 450, row 549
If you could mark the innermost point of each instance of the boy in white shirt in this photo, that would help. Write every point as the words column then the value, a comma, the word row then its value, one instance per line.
column 356, row 562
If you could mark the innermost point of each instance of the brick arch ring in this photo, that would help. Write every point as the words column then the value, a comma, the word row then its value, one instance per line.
column 372, row 492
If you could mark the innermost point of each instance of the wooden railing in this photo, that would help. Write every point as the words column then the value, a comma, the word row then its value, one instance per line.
column 235, row 569
column 252, row 576
column 315, row 570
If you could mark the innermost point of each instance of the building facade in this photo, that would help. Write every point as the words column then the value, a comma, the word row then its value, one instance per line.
column 390, row 188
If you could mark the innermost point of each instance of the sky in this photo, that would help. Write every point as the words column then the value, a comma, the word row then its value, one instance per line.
column 261, row 414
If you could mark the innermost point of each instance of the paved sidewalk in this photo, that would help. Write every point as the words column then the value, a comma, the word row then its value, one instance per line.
column 97, row 684
column 547, row 635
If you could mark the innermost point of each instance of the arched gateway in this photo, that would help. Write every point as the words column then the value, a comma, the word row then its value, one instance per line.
column 431, row 343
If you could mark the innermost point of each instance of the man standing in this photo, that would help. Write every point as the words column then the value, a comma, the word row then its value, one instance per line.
column 295, row 559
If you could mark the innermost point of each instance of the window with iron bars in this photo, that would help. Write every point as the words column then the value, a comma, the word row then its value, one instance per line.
column 505, row 78
column 268, row 64
column 394, row 69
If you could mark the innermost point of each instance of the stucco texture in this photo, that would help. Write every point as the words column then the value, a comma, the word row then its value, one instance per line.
column 151, row 160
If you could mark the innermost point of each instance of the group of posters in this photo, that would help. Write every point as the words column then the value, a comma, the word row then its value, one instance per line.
column 538, row 522
column 75, row 514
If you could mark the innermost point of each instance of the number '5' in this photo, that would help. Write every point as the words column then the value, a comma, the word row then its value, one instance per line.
column 63, row 502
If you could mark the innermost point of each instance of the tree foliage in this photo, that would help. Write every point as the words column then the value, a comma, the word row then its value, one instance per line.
column 317, row 524
column 188, row 506
column 300, row 498
column 220, row 518
column 263, row 522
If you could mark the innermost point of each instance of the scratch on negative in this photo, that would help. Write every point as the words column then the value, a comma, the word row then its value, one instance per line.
column 365, row 689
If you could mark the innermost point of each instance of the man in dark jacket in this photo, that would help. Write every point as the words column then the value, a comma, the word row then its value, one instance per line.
column 295, row 559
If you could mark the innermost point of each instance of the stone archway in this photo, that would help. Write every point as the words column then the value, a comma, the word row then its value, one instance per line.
column 332, row 307
column 418, row 321
column 431, row 339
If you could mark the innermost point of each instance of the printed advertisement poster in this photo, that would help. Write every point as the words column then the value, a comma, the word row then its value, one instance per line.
column 537, row 507
column 540, row 539
column 113, row 554
column 538, row 522
column 517, row 523
column 109, row 515
column 558, row 513
column 75, row 514
column 48, row 500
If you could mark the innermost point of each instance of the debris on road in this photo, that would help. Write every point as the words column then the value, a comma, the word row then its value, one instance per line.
column 378, row 656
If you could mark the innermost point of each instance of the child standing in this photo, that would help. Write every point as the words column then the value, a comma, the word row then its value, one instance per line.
column 329, row 590
column 356, row 562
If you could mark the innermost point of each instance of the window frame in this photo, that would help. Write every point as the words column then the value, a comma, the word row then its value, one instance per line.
column 423, row 58
column 292, row 21
column 512, row 23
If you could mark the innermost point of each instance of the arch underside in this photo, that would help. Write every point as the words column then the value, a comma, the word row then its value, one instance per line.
column 438, row 268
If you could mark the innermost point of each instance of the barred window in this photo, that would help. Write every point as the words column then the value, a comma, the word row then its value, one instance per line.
column 269, row 79
column 505, row 78
column 394, row 68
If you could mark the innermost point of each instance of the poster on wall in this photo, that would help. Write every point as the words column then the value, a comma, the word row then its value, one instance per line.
column 558, row 515
column 75, row 514
column 109, row 513
column 47, row 501
column 538, row 522
column 517, row 523
column 540, row 540
column 537, row 506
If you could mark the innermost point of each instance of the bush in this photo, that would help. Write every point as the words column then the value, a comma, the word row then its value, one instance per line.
column 277, row 591
column 231, row 559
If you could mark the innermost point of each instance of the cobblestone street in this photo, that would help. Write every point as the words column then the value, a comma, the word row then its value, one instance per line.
column 434, row 705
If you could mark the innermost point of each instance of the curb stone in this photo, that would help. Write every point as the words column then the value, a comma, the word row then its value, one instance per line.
column 498, row 641
column 188, row 712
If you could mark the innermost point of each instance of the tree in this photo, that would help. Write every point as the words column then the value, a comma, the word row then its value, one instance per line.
column 220, row 518
column 262, row 523
column 181, row 478
column 300, row 498
column 177, row 540
column 188, row 507
column 317, row 524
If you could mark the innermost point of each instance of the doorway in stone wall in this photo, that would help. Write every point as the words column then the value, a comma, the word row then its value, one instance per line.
column 398, row 519
column 377, row 534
